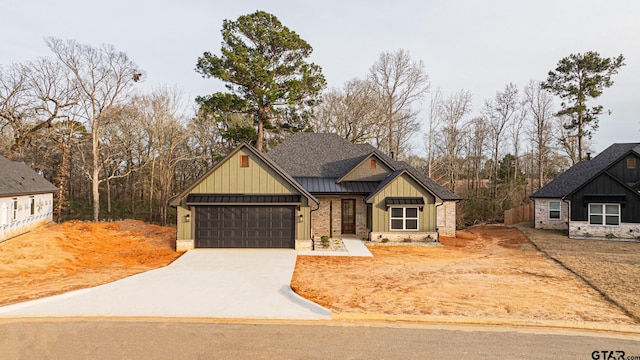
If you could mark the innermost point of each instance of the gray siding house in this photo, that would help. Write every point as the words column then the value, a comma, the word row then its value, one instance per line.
column 595, row 199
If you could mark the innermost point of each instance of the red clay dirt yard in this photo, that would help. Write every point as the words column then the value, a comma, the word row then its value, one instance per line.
column 486, row 272
column 56, row 258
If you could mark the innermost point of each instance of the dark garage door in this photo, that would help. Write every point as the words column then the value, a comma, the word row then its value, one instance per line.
column 247, row 226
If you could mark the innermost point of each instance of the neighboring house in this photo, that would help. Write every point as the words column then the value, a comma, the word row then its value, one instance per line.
column 309, row 186
column 26, row 199
column 595, row 199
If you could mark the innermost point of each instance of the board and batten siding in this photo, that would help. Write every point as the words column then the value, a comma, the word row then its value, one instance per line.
column 364, row 172
column 403, row 186
column 230, row 178
column 258, row 178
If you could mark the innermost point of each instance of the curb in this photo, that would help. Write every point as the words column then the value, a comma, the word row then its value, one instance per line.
column 523, row 323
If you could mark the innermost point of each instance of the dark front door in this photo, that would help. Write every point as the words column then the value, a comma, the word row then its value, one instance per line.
column 245, row 226
column 348, row 216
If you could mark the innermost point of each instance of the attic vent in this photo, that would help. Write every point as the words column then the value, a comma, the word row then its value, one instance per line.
column 372, row 164
column 244, row 161
column 631, row 163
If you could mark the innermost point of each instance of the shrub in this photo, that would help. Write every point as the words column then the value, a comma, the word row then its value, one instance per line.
column 324, row 239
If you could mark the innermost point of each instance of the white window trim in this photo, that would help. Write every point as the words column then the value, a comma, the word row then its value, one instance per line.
column 604, row 215
column 559, row 210
column 404, row 218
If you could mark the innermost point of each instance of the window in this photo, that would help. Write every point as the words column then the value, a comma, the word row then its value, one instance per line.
column 554, row 210
column 604, row 214
column 372, row 164
column 404, row 218
column 14, row 209
column 244, row 161
column 631, row 163
column 32, row 202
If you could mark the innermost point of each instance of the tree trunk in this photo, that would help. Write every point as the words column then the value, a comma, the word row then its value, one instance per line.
column 151, row 181
column 579, row 137
column 108, row 182
column 95, row 178
column 63, row 178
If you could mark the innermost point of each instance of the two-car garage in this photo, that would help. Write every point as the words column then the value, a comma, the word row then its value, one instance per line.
column 244, row 201
column 244, row 221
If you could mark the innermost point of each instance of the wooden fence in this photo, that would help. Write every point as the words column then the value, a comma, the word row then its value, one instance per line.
column 519, row 214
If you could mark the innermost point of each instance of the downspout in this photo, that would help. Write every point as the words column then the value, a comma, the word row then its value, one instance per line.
column 310, row 228
column 568, row 214
column 437, row 229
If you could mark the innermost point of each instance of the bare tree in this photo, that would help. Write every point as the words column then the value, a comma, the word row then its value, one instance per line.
column 399, row 83
column 102, row 78
column 478, row 135
column 539, row 107
column 433, row 127
column 451, row 111
column 163, row 122
column 499, row 112
column 351, row 112
column 33, row 96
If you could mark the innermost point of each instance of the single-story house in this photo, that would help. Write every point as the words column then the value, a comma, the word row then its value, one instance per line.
column 311, row 185
column 597, row 198
column 26, row 199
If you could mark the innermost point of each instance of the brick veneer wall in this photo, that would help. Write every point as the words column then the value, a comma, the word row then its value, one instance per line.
column 542, row 220
column 446, row 218
column 583, row 230
column 320, row 218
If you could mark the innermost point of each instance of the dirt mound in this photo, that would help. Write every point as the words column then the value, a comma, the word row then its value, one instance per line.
column 58, row 258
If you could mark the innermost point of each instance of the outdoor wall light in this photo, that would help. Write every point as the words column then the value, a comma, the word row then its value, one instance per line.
column 187, row 218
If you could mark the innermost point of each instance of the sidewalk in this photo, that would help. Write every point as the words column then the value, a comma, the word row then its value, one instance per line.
column 355, row 247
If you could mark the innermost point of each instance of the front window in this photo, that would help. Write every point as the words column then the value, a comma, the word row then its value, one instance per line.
column 14, row 209
column 604, row 214
column 33, row 205
column 554, row 210
column 404, row 218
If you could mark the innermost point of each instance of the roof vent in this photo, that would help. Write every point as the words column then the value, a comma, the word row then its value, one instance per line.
column 588, row 156
column 393, row 154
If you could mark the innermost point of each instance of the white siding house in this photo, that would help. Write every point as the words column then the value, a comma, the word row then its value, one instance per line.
column 26, row 199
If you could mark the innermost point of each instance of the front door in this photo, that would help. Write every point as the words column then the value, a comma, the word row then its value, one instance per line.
column 348, row 216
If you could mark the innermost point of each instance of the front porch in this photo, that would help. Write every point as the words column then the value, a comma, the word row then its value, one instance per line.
column 340, row 217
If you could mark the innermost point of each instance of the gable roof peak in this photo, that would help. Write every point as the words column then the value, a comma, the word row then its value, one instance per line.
column 584, row 171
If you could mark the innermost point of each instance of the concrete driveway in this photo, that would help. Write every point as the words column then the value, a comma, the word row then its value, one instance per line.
column 216, row 283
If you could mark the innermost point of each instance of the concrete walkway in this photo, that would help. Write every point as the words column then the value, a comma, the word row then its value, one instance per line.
column 216, row 283
column 355, row 247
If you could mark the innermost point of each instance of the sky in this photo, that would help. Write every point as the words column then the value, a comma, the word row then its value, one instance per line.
column 479, row 46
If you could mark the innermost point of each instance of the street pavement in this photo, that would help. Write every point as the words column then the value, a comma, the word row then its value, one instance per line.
column 82, row 339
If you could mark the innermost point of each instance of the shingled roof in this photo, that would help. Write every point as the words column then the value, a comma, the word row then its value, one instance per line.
column 585, row 170
column 329, row 156
column 317, row 155
column 16, row 178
